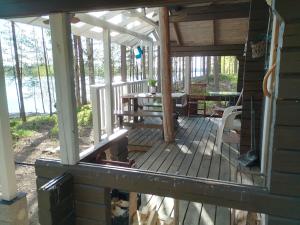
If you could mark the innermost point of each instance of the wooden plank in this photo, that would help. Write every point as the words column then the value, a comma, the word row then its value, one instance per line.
column 288, row 9
column 8, row 182
column 212, row 50
column 287, row 113
column 208, row 212
column 287, row 138
column 211, row 12
column 132, row 205
column 191, row 211
column 166, row 79
column 272, row 220
column 184, row 149
column 176, row 148
column 157, row 159
column 84, row 221
column 150, row 60
column 91, row 211
column 289, row 86
column 222, row 213
column 290, row 60
column 291, row 35
column 280, row 182
column 106, row 25
column 177, row 34
column 286, row 161
column 181, row 163
column 163, row 163
column 89, row 194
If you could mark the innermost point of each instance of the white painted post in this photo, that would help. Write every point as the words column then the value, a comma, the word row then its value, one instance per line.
column 151, row 60
column 7, row 167
column 96, row 110
column 64, row 84
column 108, row 81
column 187, row 74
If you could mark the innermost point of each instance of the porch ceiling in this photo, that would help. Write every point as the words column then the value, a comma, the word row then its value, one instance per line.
column 207, row 23
column 129, row 27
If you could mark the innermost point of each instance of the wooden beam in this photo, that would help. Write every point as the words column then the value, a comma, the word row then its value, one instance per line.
column 195, row 189
column 150, row 60
column 108, row 81
column 142, row 17
column 177, row 34
column 64, row 86
column 211, row 12
column 123, row 63
column 8, row 189
column 212, row 50
column 106, row 25
column 166, row 78
column 17, row 8
column 214, row 32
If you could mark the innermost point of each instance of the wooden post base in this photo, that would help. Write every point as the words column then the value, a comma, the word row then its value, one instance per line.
column 15, row 211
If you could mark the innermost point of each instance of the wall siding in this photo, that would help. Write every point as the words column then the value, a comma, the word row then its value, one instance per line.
column 285, row 160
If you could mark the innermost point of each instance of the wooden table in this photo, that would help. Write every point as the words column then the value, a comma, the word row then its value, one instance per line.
column 227, row 96
column 222, row 96
column 179, row 98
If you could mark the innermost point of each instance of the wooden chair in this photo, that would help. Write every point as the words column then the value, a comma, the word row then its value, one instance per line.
column 197, row 100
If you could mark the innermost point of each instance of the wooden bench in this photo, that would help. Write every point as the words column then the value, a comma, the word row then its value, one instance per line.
column 142, row 123
column 180, row 109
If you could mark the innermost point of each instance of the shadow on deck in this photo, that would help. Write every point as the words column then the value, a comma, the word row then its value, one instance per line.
column 193, row 154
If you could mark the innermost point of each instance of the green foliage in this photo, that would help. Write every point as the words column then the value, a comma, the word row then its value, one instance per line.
column 46, row 123
column 54, row 129
column 32, row 125
column 152, row 82
column 84, row 116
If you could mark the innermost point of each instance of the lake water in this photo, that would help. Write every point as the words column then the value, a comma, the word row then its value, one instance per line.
column 32, row 94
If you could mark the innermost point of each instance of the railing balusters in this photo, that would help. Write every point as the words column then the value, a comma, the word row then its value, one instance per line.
column 98, row 100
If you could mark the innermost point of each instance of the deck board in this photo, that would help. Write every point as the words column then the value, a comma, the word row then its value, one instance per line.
column 194, row 154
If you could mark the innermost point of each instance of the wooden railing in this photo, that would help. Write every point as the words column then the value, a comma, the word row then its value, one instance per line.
column 98, row 100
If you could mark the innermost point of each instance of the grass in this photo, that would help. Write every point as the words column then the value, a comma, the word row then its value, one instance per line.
column 46, row 123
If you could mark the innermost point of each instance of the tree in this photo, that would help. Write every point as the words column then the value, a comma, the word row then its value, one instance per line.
column 38, row 72
column 47, row 72
column 217, row 68
column 82, row 73
column 19, row 74
column 90, row 56
column 76, row 68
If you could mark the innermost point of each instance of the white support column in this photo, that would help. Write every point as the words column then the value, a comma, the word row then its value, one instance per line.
column 108, row 81
column 7, row 167
column 150, row 60
column 95, row 100
column 187, row 75
column 64, row 84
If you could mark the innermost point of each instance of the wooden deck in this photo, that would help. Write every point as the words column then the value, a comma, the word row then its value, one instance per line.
column 194, row 154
